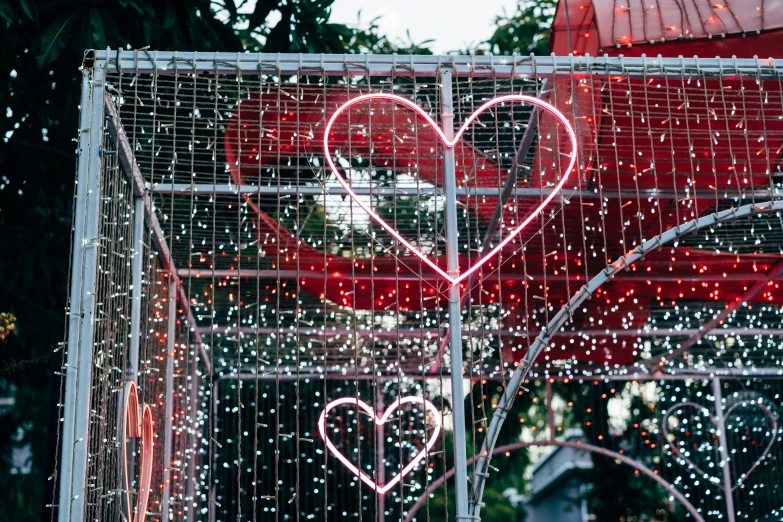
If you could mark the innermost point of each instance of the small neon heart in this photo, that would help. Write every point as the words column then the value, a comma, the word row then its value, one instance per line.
column 431, row 440
column 450, row 143
column 135, row 427
column 706, row 412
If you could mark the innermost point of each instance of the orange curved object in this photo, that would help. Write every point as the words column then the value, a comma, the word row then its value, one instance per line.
column 138, row 428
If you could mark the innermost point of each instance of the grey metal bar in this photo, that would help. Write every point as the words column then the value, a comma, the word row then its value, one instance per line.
column 724, row 449
column 292, row 274
column 679, row 375
column 131, row 169
column 510, row 393
column 476, row 66
column 208, row 189
column 193, row 436
column 489, row 234
column 455, row 310
column 169, row 400
column 78, row 368
column 435, row 333
column 550, row 413
column 380, row 465
column 136, row 287
column 137, row 293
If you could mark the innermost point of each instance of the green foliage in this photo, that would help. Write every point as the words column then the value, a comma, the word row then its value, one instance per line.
column 525, row 31
column 621, row 495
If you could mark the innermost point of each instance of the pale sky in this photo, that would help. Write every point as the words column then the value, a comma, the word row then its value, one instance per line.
column 453, row 24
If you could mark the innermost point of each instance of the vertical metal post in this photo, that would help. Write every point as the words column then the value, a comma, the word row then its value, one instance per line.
column 455, row 320
column 136, row 289
column 132, row 369
column 192, row 448
column 724, row 448
column 169, row 406
column 550, row 413
column 380, row 466
column 78, row 368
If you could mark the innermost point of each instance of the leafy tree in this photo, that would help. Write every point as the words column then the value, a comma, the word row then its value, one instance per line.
column 524, row 31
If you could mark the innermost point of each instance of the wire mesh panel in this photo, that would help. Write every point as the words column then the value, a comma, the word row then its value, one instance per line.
column 307, row 367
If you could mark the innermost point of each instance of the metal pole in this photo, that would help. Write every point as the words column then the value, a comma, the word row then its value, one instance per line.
column 380, row 467
column 192, row 448
column 132, row 369
column 511, row 181
column 170, row 352
column 550, row 413
column 136, row 289
column 455, row 320
column 78, row 368
column 252, row 273
column 728, row 490
column 506, row 193
column 488, row 66
column 719, row 373
column 430, row 334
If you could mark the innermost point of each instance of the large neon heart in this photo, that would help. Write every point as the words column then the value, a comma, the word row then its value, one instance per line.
column 449, row 143
column 706, row 412
column 378, row 421
column 136, row 427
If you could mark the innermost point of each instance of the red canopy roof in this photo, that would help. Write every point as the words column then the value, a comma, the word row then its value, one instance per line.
column 671, row 28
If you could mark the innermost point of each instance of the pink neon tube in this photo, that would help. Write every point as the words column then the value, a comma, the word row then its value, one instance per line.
column 378, row 421
column 450, row 144
column 144, row 430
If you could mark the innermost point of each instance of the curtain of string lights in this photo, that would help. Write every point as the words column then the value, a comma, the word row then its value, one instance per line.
column 220, row 266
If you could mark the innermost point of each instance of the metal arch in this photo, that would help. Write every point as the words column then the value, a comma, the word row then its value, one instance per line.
column 564, row 444
column 481, row 472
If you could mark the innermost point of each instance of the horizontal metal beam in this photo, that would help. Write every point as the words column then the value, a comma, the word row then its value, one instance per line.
column 209, row 189
column 302, row 274
column 434, row 333
column 162, row 62
column 630, row 375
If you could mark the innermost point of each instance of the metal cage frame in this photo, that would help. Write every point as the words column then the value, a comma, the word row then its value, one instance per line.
column 98, row 115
